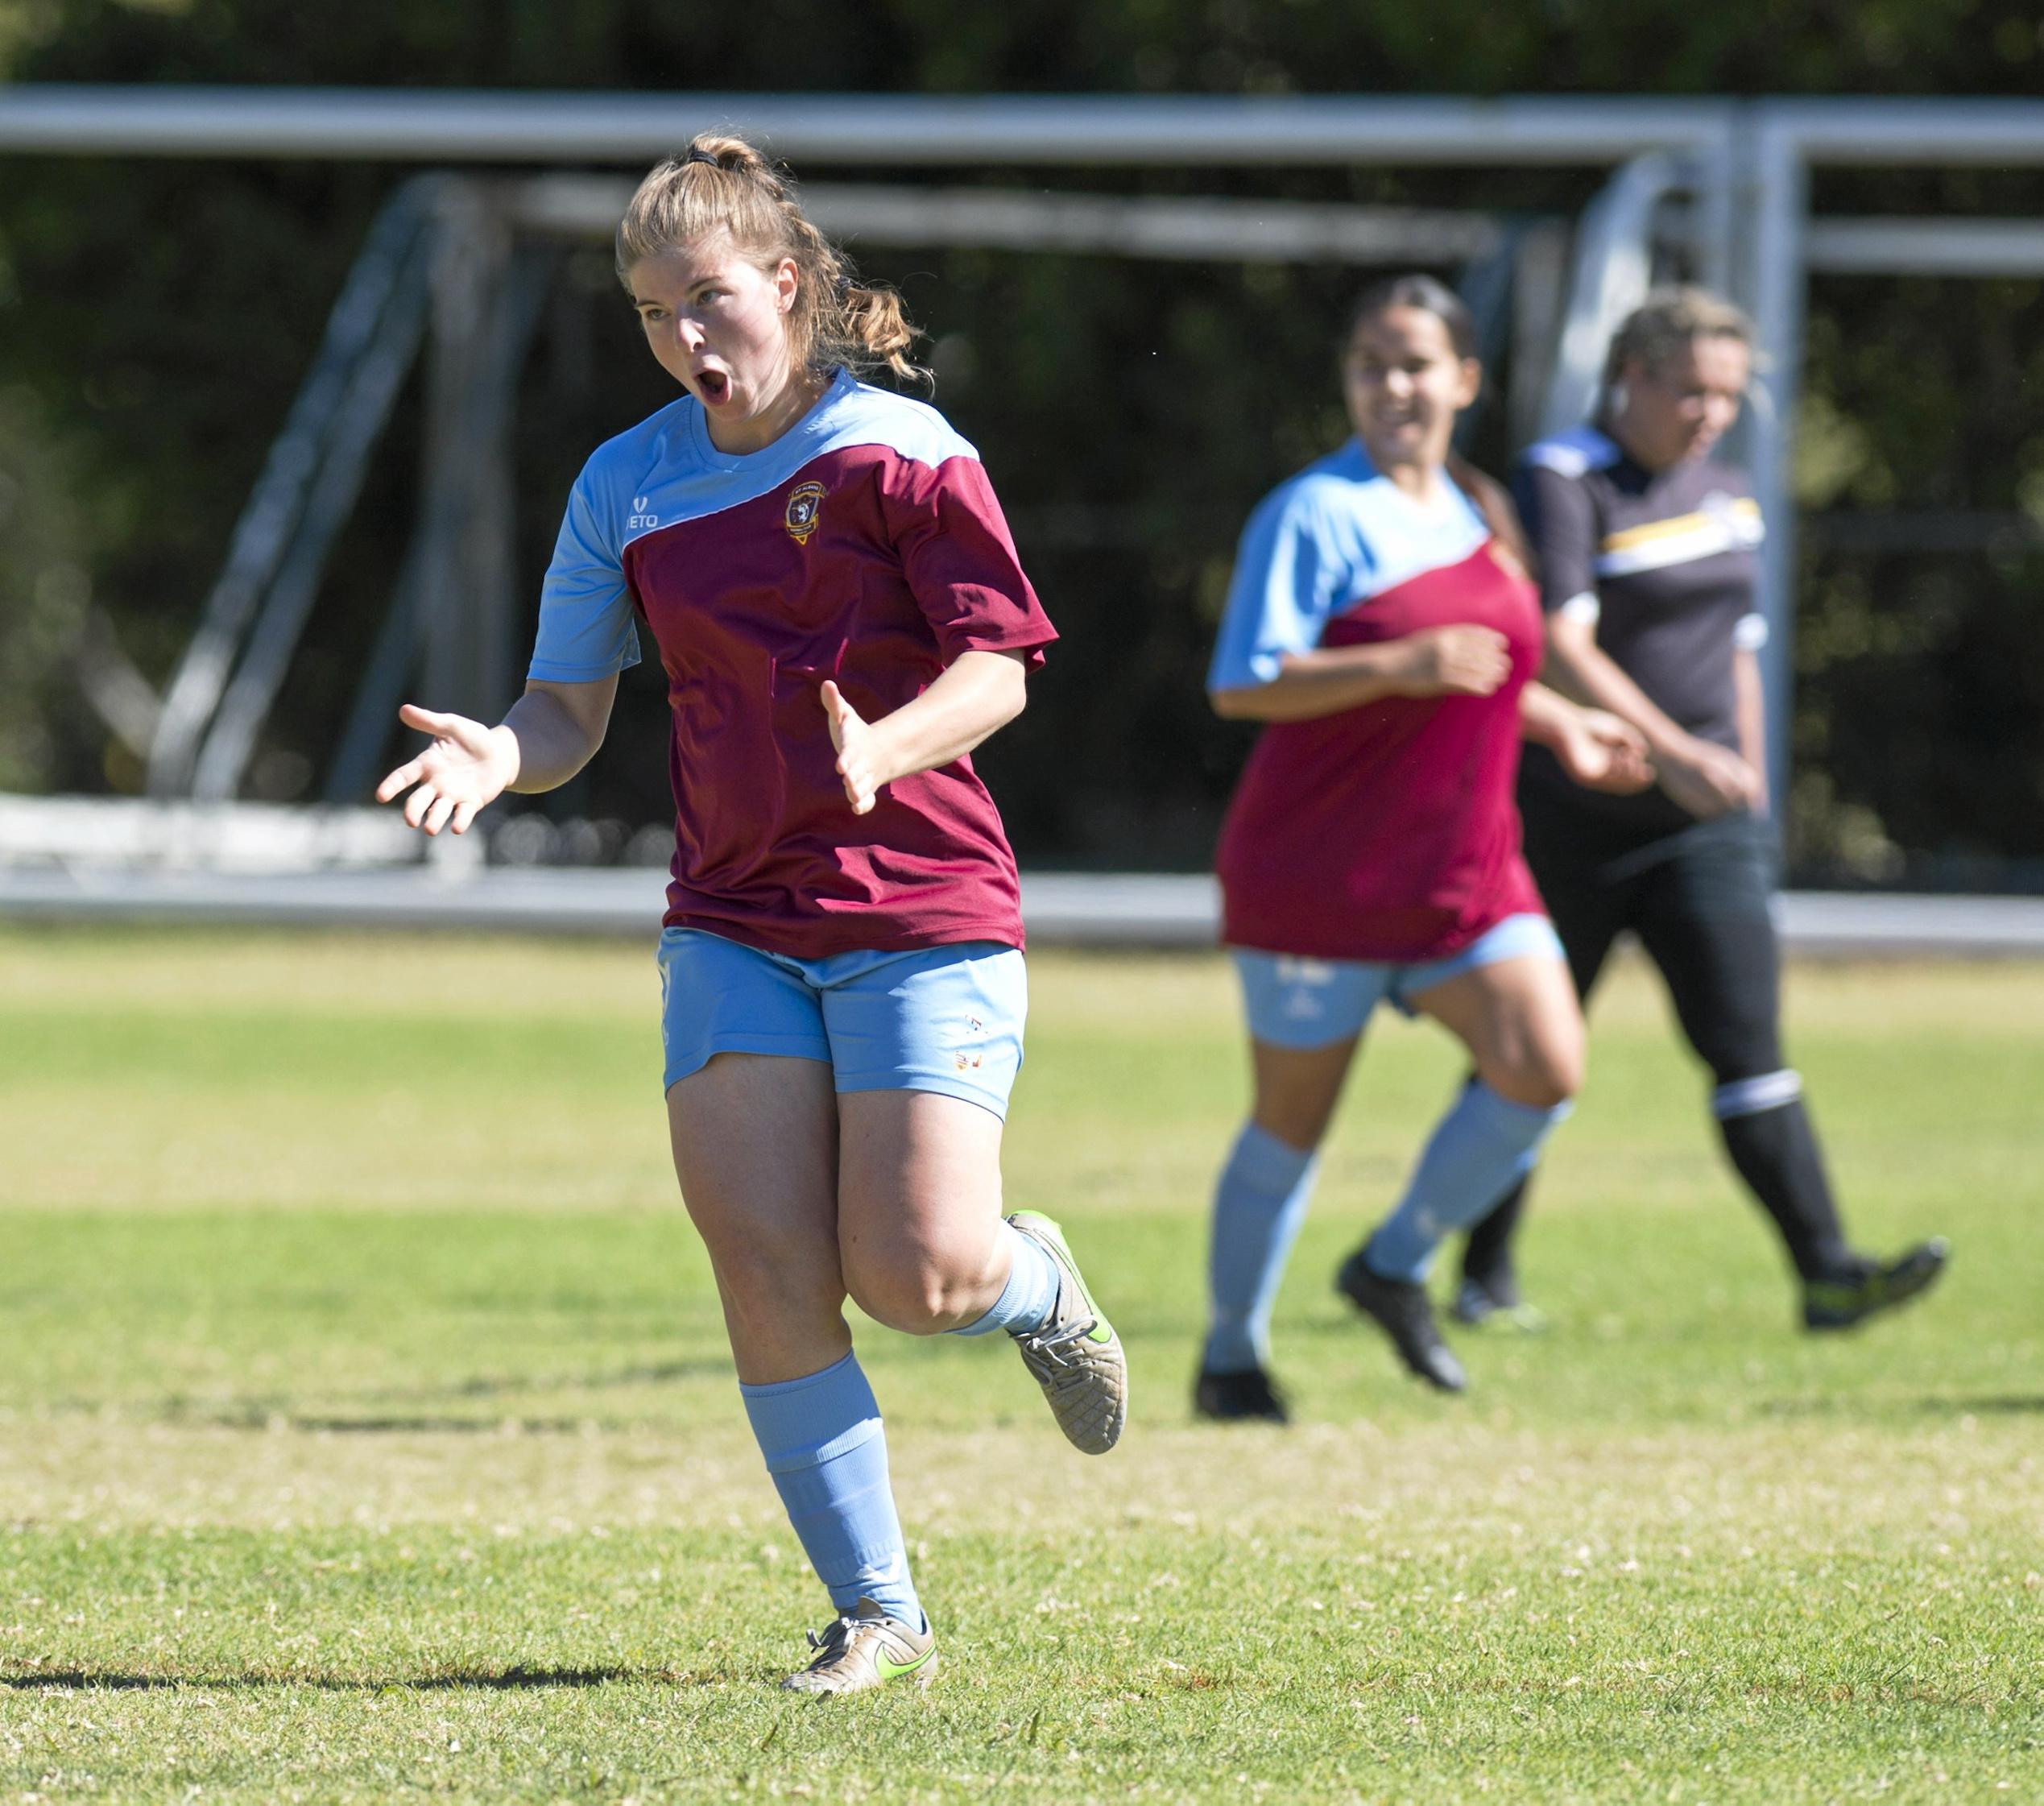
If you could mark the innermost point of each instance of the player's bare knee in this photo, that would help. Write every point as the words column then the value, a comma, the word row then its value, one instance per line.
column 1298, row 1122
column 1539, row 1075
column 917, row 1300
column 777, row 1278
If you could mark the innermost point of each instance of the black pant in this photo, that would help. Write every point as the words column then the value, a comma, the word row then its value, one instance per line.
column 1698, row 899
column 1699, row 902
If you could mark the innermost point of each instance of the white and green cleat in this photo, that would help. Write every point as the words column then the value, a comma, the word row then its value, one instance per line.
column 864, row 1648
column 1075, row 1354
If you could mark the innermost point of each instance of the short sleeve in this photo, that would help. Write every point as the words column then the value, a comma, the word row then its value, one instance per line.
column 588, row 630
column 1561, row 523
column 1288, row 575
column 960, row 562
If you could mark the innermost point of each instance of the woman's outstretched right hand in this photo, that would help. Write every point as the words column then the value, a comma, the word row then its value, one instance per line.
column 465, row 769
column 1455, row 662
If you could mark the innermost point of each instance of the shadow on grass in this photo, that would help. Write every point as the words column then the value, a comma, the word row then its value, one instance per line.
column 2011, row 1404
column 1988, row 1405
column 503, row 1679
column 421, row 1424
column 274, row 1413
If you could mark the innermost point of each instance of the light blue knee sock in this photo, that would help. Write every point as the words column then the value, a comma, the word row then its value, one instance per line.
column 1479, row 1150
column 824, row 1446
column 1258, row 1207
column 1030, row 1295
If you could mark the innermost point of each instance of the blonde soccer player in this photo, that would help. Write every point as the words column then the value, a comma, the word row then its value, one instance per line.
column 841, row 618
column 1648, row 541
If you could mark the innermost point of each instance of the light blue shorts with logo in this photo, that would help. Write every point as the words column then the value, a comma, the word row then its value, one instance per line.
column 1300, row 1003
column 943, row 1019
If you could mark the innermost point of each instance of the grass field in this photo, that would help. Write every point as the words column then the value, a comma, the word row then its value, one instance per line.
column 366, row 1429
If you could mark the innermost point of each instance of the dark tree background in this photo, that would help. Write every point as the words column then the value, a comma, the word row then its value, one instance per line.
column 155, row 317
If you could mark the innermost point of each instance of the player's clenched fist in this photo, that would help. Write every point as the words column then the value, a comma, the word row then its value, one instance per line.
column 1457, row 661
column 858, row 750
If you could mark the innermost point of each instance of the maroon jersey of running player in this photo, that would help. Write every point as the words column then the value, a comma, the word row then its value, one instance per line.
column 1387, row 833
column 865, row 546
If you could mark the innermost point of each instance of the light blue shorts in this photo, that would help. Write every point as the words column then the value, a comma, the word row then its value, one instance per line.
column 1314, row 1003
column 943, row 1019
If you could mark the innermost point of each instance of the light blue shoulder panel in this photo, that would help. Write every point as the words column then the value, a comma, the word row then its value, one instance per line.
column 665, row 471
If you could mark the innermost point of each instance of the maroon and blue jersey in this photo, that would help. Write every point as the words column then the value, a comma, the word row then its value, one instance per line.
column 864, row 546
column 1386, row 833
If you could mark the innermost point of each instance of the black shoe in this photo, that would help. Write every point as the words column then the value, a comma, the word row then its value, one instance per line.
column 1239, row 1398
column 1840, row 1304
column 1482, row 1307
column 1401, row 1307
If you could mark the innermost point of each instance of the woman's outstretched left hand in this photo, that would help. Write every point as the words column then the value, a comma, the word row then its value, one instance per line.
column 1602, row 752
column 859, row 752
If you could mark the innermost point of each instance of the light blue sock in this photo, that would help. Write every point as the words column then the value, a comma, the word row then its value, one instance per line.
column 1258, row 1207
column 1030, row 1295
column 824, row 1446
column 1484, row 1145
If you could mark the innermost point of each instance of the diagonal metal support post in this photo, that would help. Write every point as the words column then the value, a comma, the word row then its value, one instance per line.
column 262, row 535
column 443, row 548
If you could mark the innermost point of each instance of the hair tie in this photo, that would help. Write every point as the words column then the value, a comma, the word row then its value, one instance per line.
column 697, row 154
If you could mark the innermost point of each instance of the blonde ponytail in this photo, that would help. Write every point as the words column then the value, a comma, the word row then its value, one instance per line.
column 722, row 184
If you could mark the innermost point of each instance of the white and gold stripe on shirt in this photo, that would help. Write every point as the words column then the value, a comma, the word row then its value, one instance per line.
column 1723, row 523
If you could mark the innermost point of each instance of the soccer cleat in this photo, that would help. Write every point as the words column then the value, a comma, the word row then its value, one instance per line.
column 1401, row 1307
column 1075, row 1353
column 1841, row 1303
column 1481, row 1308
column 862, row 1648
column 1239, row 1398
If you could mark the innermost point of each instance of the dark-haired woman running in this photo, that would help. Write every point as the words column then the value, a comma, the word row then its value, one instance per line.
column 1381, row 628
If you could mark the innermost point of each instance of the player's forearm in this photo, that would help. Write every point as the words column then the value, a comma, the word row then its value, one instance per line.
column 1321, row 682
column 1750, row 716
column 1545, row 718
column 978, row 692
column 1592, row 677
column 549, row 739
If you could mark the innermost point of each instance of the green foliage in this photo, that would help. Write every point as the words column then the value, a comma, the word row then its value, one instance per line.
column 45, row 592
column 1920, row 718
column 367, row 1426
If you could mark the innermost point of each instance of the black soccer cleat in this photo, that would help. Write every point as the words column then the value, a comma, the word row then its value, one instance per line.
column 1841, row 1303
column 1492, row 1307
column 1245, row 1397
column 1401, row 1307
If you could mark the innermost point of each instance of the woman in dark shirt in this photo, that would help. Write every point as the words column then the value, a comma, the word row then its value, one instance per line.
column 1646, row 549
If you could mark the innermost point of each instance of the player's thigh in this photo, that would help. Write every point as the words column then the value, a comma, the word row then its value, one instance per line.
column 751, row 1114
column 925, row 1046
column 1306, row 1018
column 919, row 1207
column 1520, row 1020
column 1706, row 920
column 1587, row 910
column 755, row 1139
column 1296, row 1089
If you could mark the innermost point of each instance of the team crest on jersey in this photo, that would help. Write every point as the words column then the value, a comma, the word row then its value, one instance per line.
column 805, row 506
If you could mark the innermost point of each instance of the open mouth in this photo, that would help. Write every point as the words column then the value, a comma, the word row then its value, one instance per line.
column 714, row 386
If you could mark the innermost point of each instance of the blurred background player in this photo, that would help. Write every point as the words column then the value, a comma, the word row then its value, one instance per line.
column 1645, row 547
column 1380, row 626
column 837, row 605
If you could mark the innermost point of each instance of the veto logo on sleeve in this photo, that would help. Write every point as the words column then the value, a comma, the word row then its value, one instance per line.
column 805, row 508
